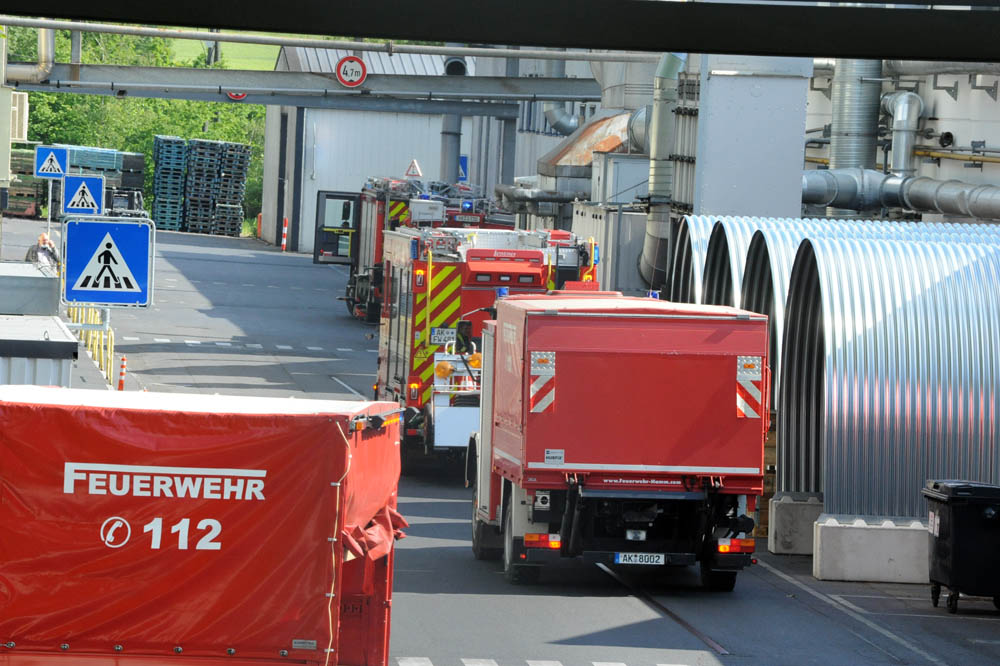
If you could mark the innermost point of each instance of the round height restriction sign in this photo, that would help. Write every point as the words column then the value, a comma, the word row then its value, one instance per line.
column 351, row 71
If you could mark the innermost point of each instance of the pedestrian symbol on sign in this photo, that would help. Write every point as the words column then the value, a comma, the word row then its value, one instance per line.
column 106, row 270
column 51, row 165
column 83, row 199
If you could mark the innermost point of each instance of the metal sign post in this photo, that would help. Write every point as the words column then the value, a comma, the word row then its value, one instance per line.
column 48, row 211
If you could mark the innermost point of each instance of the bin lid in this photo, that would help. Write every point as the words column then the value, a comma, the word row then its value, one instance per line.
column 949, row 489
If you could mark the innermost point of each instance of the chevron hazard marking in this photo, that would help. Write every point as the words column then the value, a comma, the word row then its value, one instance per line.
column 106, row 270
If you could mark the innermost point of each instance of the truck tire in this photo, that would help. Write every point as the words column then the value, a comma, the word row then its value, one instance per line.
column 719, row 581
column 479, row 537
column 515, row 573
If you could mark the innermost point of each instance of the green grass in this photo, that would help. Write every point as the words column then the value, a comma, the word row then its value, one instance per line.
column 259, row 57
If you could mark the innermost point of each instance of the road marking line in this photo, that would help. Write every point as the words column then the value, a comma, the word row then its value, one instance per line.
column 373, row 351
column 853, row 607
column 607, row 663
column 161, row 339
column 347, row 387
column 874, row 626
column 544, row 663
column 192, row 342
column 285, row 347
column 218, row 283
column 984, row 641
column 314, row 348
column 272, row 286
column 249, row 285
column 344, row 349
column 130, row 338
column 254, row 346
column 224, row 344
column 414, row 661
column 484, row 662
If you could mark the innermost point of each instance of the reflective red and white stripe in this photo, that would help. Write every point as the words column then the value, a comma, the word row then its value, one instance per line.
column 542, row 392
column 284, row 235
column 749, row 387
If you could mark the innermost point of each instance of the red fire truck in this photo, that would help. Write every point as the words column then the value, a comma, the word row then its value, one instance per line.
column 619, row 430
column 439, row 281
column 388, row 204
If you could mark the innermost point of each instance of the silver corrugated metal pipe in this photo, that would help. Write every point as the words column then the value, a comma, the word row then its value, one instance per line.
column 659, row 244
column 555, row 112
column 905, row 108
column 855, row 104
column 23, row 73
column 889, row 373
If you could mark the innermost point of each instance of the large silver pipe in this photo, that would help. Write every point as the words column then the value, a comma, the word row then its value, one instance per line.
column 514, row 193
column 889, row 374
column 658, row 246
column 23, row 73
column 687, row 265
column 558, row 118
column 854, row 126
column 383, row 47
column 905, row 108
column 863, row 189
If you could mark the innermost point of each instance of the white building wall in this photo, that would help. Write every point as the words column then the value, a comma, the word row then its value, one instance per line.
column 343, row 148
column 269, row 197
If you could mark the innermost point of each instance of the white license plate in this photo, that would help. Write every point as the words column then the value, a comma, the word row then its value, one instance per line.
column 467, row 218
column 639, row 558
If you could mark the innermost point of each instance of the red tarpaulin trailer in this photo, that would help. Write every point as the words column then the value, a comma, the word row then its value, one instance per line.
column 137, row 526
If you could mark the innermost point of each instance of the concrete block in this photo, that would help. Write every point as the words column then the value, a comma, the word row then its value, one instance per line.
column 870, row 549
column 790, row 522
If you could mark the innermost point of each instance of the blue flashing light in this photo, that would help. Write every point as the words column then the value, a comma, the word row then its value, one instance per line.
column 413, row 249
column 425, row 196
column 466, row 205
column 597, row 254
column 653, row 294
column 503, row 292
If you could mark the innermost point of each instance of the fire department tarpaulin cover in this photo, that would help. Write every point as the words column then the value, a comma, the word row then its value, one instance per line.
column 152, row 520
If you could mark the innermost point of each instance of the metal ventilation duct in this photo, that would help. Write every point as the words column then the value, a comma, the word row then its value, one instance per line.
column 688, row 262
column 20, row 73
column 855, row 105
column 555, row 112
column 889, row 374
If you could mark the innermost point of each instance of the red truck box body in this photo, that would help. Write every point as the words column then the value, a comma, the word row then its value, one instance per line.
column 629, row 393
column 154, row 522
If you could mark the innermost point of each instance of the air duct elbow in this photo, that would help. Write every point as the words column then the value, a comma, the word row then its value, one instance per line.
column 854, row 189
column 556, row 115
column 24, row 73
column 905, row 109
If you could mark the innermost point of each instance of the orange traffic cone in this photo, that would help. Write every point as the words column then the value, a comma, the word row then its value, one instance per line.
column 121, row 376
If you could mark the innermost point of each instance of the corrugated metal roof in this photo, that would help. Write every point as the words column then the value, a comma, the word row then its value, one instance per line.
column 323, row 61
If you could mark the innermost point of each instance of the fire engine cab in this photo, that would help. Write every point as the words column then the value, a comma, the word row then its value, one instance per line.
column 440, row 285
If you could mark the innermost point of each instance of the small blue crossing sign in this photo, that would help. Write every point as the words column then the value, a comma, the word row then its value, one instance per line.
column 463, row 168
column 83, row 195
column 109, row 261
column 51, row 162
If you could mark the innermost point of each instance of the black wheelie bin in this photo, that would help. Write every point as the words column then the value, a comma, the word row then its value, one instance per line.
column 964, row 526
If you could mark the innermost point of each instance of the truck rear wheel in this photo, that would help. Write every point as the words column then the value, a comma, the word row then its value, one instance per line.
column 720, row 581
column 480, row 536
column 515, row 573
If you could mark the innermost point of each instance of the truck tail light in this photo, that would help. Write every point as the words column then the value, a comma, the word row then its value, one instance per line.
column 551, row 541
column 414, row 388
column 419, row 276
column 737, row 545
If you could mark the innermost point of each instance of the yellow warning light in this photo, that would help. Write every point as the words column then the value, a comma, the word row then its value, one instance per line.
column 476, row 360
column 443, row 369
column 588, row 278
column 421, row 272
column 414, row 386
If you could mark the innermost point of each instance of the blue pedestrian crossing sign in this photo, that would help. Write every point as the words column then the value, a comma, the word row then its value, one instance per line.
column 463, row 168
column 51, row 162
column 83, row 195
column 108, row 261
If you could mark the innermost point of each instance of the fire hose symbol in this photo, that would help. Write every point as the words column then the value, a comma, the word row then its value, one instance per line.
column 115, row 532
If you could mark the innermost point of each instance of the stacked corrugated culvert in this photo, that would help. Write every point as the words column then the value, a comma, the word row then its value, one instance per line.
column 169, row 153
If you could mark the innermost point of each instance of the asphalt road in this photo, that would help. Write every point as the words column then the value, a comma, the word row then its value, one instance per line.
column 235, row 316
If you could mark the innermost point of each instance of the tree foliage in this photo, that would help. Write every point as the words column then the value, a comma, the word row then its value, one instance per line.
column 130, row 123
